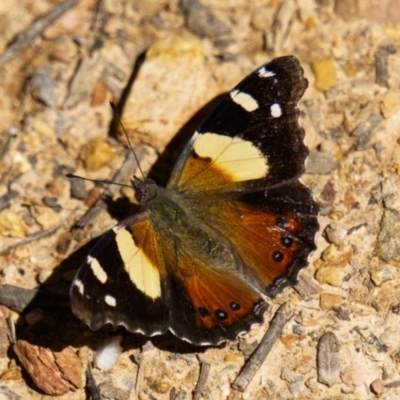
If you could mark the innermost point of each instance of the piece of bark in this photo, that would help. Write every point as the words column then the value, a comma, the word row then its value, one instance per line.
column 54, row 372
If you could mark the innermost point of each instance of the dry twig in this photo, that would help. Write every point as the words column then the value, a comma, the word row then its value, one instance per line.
column 91, row 384
column 204, row 371
column 254, row 363
column 24, row 38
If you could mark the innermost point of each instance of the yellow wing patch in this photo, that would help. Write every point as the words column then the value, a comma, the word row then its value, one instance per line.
column 235, row 157
column 141, row 270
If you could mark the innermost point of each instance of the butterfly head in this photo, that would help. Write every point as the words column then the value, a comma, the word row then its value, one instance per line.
column 145, row 190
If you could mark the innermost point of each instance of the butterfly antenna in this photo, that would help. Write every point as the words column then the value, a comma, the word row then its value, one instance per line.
column 97, row 181
column 116, row 115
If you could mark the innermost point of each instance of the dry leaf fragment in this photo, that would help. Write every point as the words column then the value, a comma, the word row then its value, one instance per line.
column 55, row 372
column 328, row 359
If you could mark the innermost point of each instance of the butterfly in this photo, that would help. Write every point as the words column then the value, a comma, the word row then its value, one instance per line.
column 233, row 224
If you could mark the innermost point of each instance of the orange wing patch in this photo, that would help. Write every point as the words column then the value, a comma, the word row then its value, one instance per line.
column 266, row 242
column 218, row 299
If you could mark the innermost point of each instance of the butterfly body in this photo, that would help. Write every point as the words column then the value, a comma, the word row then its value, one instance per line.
column 234, row 223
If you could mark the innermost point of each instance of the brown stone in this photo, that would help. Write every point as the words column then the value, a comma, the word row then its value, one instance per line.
column 330, row 300
column 377, row 387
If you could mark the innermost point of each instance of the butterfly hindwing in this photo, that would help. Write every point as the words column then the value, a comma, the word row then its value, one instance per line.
column 273, row 238
column 210, row 299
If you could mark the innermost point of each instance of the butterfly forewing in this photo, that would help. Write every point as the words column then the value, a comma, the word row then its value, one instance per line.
column 252, row 136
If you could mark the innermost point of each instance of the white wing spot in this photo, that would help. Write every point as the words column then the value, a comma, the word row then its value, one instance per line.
column 244, row 100
column 79, row 285
column 110, row 300
column 97, row 270
column 264, row 73
column 276, row 110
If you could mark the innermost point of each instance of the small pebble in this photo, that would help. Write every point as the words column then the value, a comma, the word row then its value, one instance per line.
column 338, row 256
column 109, row 391
column 46, row 217
column 289, row 341
column 233, row 358
column 43, row 87
column 201, row 20
column 390, row 105
column 390, row 337
column 78, row 188
column 329, row 275
column 325, row 74
column 298, row 329
column 160, row 386
column 387, row 245
column 10, row 272
column 377, row 387
column 97, row 153
column 335, row 233
column 33, row 260
column 354, row 374
column 11, row 374
column 107, row 354
column 330, row 253
column 52, row 202
column 330, row 300
column 12, row 225
column 380, row 274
